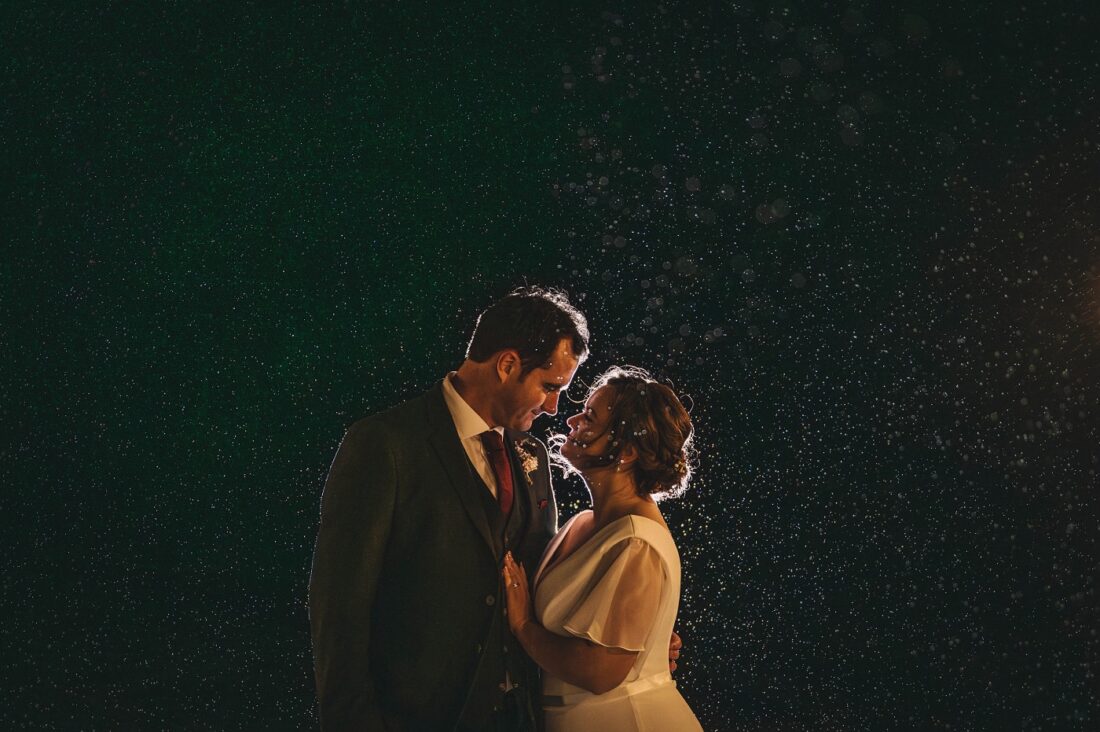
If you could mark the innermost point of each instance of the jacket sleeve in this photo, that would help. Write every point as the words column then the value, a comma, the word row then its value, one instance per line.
column 356, row 515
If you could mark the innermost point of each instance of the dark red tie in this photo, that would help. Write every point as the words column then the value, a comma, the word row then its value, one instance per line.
column 498, row 459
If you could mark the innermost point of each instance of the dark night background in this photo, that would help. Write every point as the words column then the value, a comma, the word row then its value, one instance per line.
column 863, row 238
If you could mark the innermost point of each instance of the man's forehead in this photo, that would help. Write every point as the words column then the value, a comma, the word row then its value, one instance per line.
column 559, row 375
column 561, row 370
column 563, row 362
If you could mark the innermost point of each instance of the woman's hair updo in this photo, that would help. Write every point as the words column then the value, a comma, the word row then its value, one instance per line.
column 649, row 416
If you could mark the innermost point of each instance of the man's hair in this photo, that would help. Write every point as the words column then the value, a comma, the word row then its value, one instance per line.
column 532, row 321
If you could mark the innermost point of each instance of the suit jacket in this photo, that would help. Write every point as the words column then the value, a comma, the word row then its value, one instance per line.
column 405, row 598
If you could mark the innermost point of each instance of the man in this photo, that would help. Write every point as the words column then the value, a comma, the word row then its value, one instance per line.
column 421, row 504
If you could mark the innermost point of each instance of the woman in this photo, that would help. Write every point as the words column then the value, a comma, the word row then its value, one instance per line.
column 608, row 586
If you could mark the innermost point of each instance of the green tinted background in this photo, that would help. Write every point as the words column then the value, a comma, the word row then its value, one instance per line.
column 858, row 237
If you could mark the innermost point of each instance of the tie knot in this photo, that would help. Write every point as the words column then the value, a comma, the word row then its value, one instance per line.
column 493, row 441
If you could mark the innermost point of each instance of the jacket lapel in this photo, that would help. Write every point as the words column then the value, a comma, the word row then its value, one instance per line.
column 444, row 441
column 537, row 490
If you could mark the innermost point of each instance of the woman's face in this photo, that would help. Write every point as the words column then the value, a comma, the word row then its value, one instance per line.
column 589, row 432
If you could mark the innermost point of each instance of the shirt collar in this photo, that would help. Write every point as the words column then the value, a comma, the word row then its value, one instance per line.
column 468, row 422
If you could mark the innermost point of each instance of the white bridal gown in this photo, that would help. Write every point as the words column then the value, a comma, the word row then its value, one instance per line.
column 619, row 589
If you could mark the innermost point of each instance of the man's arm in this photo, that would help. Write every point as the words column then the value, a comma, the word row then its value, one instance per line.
column 356, row 513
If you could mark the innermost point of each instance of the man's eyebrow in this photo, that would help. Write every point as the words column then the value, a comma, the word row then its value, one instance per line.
column 552, row 387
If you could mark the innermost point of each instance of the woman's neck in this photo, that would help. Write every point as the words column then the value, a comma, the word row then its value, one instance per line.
column 614, row 495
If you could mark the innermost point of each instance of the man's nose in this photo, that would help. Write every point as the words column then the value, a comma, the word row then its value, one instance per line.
column 550, row 406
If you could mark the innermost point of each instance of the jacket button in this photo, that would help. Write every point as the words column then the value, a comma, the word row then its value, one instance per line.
column 490, row 600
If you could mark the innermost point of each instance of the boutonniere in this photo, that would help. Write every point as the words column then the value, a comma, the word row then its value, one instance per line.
column 528, row 457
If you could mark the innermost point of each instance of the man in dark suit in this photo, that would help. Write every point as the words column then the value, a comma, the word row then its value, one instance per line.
column 422, row 502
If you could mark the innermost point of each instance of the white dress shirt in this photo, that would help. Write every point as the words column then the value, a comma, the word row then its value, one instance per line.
column 470, row 425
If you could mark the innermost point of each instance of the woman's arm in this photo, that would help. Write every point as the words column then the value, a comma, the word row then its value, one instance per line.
column 576, row 661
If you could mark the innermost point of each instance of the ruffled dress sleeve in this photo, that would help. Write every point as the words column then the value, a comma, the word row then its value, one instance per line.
column 620, row 606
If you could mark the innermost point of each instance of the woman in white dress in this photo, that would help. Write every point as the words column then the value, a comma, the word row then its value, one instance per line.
column 607, row 588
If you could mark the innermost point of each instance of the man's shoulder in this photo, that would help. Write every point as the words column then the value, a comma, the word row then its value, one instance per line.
column 395, row 421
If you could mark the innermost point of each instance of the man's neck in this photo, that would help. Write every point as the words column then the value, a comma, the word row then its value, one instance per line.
column 466, row 385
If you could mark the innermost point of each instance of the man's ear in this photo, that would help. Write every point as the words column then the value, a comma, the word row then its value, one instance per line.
column 508, row 362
